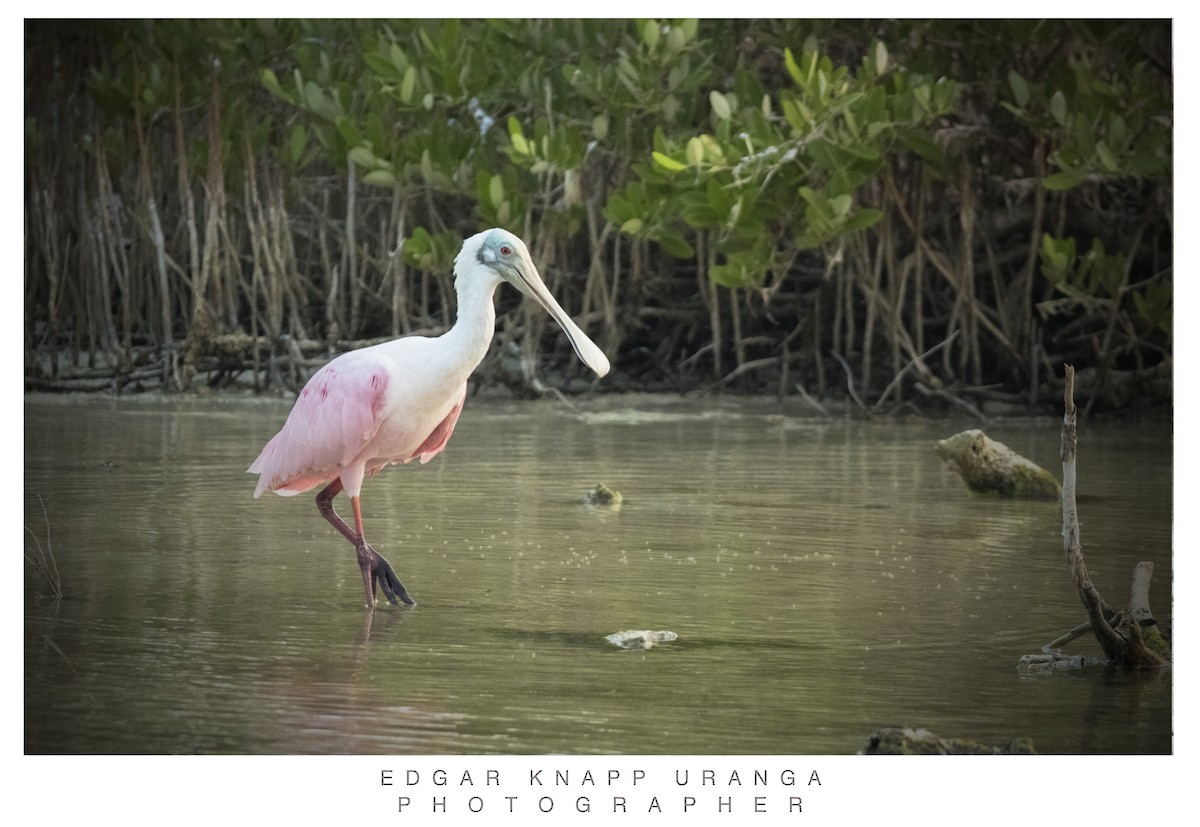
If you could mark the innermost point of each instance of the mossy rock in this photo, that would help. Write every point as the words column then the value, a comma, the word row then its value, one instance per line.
column 992, row 467
column 603, row 495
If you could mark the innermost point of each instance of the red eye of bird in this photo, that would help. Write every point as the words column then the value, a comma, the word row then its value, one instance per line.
column 506, row 250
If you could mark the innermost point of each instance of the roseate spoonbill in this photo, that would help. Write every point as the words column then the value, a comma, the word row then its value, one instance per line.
column 398, row 401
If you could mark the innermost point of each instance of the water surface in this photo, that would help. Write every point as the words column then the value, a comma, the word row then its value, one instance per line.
column 824, row 577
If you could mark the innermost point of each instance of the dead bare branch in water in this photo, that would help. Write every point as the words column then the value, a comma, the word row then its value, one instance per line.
column 42, row 559
column 1122, row 636
column 1130, row 638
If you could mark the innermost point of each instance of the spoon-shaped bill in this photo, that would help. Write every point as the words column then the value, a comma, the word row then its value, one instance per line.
column 530, row 283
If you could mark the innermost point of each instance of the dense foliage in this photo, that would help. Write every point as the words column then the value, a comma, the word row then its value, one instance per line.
column 898, row 211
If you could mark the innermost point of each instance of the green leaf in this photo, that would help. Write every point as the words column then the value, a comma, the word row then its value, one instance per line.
column 408, row 85
column 1148, row 166
column 700, row 215
column 496, row 190
column 1019, row 87
column 650, row 33
column 921, row 94
column 795, row 116
column 380, row 177
column 718, row 197
column 381, row 66
column 659, row 139
column 676, row 39
column 1058, row 107
column 720, row 105
column 520, row 145
column 828, row 156
column 632, row 227
column 297, row 142
column 670, row 107
column 792, row 69
column 881, row 58
column 1085, row 139
column 1107, row 159
column 808, row 240
column 728, row 275
column 319, row 102
column 1016, row 110
column 398, row 58
column 667, row 162
column 862, row 219
column 811, row 197
column 347, row 129
column 1063, row 180
column 600, row 127
column 271, row 82
column 363, row 157
column 945, row 93
column 675, row 244
column 618, row 209
column 1116, row 131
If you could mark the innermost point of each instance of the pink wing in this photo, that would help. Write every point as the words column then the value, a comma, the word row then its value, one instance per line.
column 334, row 418
column 436, row 441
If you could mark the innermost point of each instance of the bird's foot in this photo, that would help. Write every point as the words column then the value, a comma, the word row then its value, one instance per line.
column 378, row 571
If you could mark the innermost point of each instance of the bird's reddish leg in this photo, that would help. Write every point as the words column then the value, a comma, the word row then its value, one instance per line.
column 375, row 569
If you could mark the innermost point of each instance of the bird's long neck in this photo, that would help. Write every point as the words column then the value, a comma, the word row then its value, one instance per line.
column 467, row 341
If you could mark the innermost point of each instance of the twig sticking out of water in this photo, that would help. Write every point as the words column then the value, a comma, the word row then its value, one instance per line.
column 1129, row 638
column 42, row 559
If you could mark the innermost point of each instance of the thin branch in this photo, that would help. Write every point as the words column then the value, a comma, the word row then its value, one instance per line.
column 941, row 393
column 810, row 400
column 912, row 362
column 849, row 379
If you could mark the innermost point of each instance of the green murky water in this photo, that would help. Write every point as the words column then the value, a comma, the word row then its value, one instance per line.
column 824, row 578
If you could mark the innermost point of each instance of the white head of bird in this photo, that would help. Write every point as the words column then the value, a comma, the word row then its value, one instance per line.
column 500, row 255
